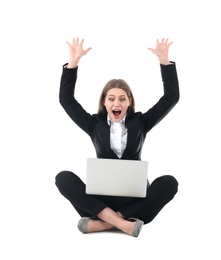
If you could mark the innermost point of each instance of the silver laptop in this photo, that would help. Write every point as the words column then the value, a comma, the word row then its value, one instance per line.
column 116, row 177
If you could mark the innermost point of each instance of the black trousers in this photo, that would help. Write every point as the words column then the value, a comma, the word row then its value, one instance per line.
column 159, row 193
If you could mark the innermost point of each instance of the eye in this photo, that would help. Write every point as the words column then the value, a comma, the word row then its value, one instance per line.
column 122, row 99
column 111, row 99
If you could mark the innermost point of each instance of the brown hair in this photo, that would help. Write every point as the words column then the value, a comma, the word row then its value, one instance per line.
column 116, row 83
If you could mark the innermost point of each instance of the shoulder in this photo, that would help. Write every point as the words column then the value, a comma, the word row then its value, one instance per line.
column 99, row 117
column 135, row 116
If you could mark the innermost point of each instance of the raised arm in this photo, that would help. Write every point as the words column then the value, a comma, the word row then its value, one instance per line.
column 67, row 87
column 170, row 86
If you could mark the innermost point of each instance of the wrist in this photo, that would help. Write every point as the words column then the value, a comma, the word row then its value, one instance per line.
column 164, row 60
column 73, row 63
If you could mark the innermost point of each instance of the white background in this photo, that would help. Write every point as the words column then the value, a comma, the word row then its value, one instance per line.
column 38, row 140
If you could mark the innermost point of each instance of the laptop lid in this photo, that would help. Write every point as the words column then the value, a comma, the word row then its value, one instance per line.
column 116, row 177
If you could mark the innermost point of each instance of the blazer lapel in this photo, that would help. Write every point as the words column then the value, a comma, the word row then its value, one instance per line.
column 105, row 132
column 131, row 138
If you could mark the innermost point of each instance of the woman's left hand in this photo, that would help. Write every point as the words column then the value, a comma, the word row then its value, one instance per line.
column 162, row 50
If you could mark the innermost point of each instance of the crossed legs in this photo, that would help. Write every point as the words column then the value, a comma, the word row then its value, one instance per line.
column 110, row 219
column 105, row 213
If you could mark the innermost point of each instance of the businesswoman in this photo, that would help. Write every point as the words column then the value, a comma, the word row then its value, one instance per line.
column 116, row 107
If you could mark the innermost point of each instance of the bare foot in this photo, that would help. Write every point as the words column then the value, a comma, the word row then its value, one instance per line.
column 128, row 227
column 98, row 225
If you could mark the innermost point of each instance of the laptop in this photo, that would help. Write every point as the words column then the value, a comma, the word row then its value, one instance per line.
column 116, row 177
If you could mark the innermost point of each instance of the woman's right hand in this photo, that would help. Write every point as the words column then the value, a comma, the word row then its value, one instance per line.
column 76, row 52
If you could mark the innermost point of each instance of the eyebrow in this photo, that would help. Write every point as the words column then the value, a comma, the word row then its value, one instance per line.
column 114, row 95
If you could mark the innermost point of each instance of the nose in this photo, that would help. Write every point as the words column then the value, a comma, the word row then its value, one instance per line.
column 116, row 103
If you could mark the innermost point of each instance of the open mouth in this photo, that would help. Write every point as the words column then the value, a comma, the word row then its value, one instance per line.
column 116, row 112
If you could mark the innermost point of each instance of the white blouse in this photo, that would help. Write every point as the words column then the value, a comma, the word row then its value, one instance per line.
column 118, row 136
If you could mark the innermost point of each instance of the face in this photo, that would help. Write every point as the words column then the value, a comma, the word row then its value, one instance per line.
column 116, row 103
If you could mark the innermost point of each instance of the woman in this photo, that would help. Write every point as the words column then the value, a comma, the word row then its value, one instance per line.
column 116, row 107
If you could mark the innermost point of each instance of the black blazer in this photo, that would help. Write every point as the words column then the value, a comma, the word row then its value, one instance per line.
column 138, row 124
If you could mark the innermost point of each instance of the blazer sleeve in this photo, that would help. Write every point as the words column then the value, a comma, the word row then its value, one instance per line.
column 170, row 98
column 67, row 99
